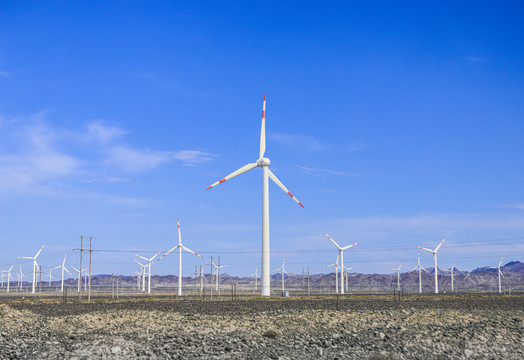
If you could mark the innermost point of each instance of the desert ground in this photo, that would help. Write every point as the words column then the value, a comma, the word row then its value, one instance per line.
column 351, row 327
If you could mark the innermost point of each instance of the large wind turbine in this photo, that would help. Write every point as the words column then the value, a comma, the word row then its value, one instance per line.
column 283, row 272
column 148, row 270
column 264, row 164
column 9, row 276
column 180, row 247
column 341, row 253
column 500, row 272
column 434, row 252
column 35, row 266
column 420, row 268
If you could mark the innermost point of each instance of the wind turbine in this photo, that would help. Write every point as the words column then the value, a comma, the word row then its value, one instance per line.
column 202, row 277
column 35, row 266
column 143, row 275
column 79, row 275
column 398, row 276
column 148, row 270
column 9, row 276
column 500, row 272
column 451, row 272
column 264, row 164
column 336, row 272
column 283, row 272
column 341, row 253
column 217, row 275
column 420, row 268
column 51, row 275
column 63, row 268
column 255, row 274
column 20, row 276
column 179, row 247
column 346, row 275
column 434, row 252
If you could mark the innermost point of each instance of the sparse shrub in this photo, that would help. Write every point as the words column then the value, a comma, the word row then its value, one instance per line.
column 272, row 334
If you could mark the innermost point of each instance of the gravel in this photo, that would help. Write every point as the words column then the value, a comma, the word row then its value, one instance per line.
column 364, row 328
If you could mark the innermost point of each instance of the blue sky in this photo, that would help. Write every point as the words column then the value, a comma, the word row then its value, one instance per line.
column 395, row 125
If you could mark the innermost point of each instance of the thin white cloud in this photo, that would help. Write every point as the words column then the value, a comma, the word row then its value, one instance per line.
column 304, row 143
column 476, row 59
column 321, row 172
column 4, row 74
column 519, row 206
column 192, row 157
column 103, row 132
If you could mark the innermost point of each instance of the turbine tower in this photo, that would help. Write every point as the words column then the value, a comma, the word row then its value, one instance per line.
column 283, row 272
column 420, row 268
column 148, row 270
column 341, row 254
column 20, row 277
column 434, row 252
column 63, row 268
column 35, row 267
column 9, row 276
column 499, row 272
column 143, row 275
column 179, row 247
column 264, row 164
column 255, row 274
column 398, row 276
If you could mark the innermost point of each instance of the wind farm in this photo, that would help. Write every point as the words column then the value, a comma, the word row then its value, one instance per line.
column 144, row 149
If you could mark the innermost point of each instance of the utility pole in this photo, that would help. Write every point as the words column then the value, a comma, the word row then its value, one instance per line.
column 112, row 285
column 80, row 273
column 90, row 253
column 303, row 282
column 218, row 277
column 40, row 282
column 117, row 281
column 308, row 285
column 196, row 280
column 211, row 278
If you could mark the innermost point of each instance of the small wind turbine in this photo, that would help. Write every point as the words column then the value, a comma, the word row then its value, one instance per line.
column 143, row 275
column 398, row 276
column 63, row 268
column 346, row 275
column 499, row 272
column 9, row 276
column 79, row 275
column 420, row 268
column 452, row 282
column 283, row 273
column 264, row 164
column 50, row 276
column 255, row 274
column 35, row 266
column 341, row 253
column 180, row 247
column 202, row 277
column 336, row 272
column 138, row 275
column 20, row 277
column 434, row 252
column 148, row 270
column 217, row 275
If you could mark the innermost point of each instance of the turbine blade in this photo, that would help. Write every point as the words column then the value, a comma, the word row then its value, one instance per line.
column 333, row 241
column 38, row 253
column 500, row 263
column 347, row 247
column 167, row 253
column 431, row 251
column 67, row 270
column 24, row 257
column 439, row 245
column 179, row 234
column 279, row 183
column 242, row 170
column 194, row 253
column 263, row 131
column 415, row 268
column 74, row 268
column 154, row 256
column 141, row 257
column 329, row 266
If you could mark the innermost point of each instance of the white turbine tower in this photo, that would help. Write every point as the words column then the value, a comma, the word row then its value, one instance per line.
column 336, row 272
column 452, row 280
column 346, row 275
column 35, row 266
column 180, row 247
column 9, row 276
column 398, row 276
column 217, row 275
column 283, row 273
column 434, row 252
column 264, row 164
column 148, row 270
column 255, row 274
column 499, row 272
column 420, row 268
column 341, row 254
column 50, row 276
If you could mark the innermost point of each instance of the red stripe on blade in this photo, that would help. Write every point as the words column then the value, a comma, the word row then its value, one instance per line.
column 290, row 194
column 222, row 180
column 300, row 204
column 209, row 187
column 264, row 96
column 263, row 114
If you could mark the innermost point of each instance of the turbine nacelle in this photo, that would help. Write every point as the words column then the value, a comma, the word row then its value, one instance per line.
column 263, row 162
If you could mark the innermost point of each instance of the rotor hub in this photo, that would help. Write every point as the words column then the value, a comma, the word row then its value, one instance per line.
column 263, row 162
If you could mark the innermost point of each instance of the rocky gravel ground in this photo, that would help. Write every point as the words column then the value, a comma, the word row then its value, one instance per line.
column 363, row 328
